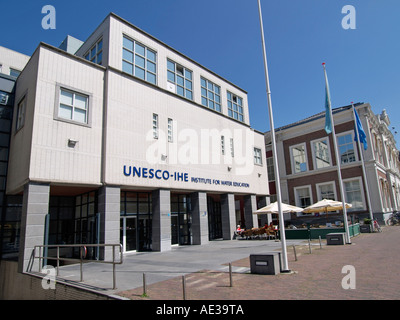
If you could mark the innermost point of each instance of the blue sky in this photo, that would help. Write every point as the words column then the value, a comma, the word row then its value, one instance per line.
column 363, row 65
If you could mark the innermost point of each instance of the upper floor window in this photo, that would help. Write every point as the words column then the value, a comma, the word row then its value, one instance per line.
column 73, row 106
column 155, row 126
column 95, row 54
column 235, row 106
column 346, row 148
column 270, row 169
column 138, row 60
column 210, row 95
column 181, row 77
column 321, row 153
column 257, row 156
column 299, row 158
column 14, row 72
column 21, row 109
column 170, row 130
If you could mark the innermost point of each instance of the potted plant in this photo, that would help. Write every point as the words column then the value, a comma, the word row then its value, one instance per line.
column 367, row 226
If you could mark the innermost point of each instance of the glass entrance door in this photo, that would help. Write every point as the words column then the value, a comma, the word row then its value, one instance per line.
column 181, row 220
column 128, row 233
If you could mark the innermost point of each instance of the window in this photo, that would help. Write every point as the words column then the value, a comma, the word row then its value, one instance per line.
column 170, row 130
column 210, row 95
column 321, row 154
column 353, row 194
column 4, row 97
column 270, row 169
column 257, row 156
column 346, row 148
column 181, row 77
column 138, row 60
column 222, row 145
column 235, row 107
column 73, row 106
column 232, row 150
column 155, row 126
column 14, row 72
column 326, row 191
column 303, row 196
column 95, row 54
column 21, row 113
column 299, row 161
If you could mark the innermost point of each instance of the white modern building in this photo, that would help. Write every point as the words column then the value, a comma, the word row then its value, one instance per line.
column 129, row 141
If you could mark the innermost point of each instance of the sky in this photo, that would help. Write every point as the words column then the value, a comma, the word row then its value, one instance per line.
column 362, row 64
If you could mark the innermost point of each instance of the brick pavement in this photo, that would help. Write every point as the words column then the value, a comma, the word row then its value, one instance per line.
column 315, row 276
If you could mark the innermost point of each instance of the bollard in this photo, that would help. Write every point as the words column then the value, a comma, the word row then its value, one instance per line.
column 230, row 274
column 309, row 245
column 295, row 254
column 320, row 244
column 144, row 285
column 184, row 287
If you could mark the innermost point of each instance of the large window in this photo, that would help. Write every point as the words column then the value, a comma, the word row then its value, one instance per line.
column 210, row 95
column 326, row 191
column 353, row 194
column 73, row 106
column 181, row 78
column 321, row 154
column 346, row 148
column 235, row 106
column 270, row 169
column 138, row 60
column 299, row 159
column 95, row 54
column 303, row 196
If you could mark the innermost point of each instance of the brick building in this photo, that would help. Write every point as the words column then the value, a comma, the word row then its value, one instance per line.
column 308, row 168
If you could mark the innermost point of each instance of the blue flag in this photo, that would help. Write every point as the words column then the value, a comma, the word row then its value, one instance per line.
column 328, row 120
column 361, row 133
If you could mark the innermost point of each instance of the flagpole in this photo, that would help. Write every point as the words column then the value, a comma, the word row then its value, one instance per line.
column 362, row 162
column 285, row 267
column 346, row 225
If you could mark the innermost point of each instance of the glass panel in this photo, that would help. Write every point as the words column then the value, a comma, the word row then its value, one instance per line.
column 151, row 78
column 130, row 234
column 189, row 94
column 139, row 49
column 188, row 74
column 128, row 44
column 180, row 91
column 171, row 76
column 171, row 66
column 139, row 73
column 127, row 67
column 203, row 82
column 151, row 55
column 139, row 61
column 80, row 115
column 66, row 97
column 127, row 55
column 80, row 101
column 179, row 80
column 99, row 45
column 151, row 66
column 131, row 208
column 188, row 84
column 65, row 111
column 204, row 101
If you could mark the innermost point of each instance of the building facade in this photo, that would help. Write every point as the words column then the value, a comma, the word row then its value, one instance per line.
column 129, row 141
column 308, row 168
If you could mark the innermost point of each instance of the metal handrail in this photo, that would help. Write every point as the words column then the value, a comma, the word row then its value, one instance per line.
column 81, row 258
